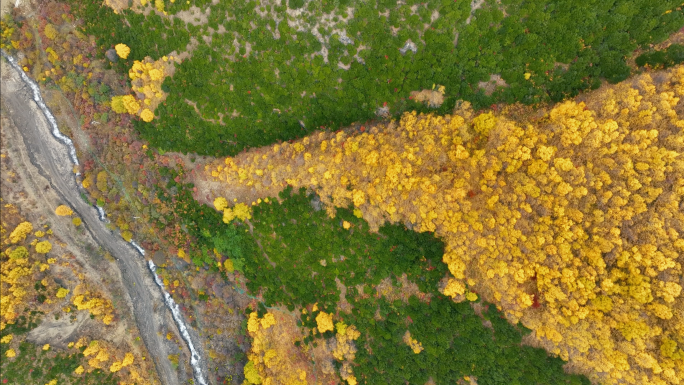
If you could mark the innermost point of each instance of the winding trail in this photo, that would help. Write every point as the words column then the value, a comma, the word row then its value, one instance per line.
column 54, row 156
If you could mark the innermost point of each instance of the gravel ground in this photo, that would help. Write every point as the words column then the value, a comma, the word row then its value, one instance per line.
column 47, row 162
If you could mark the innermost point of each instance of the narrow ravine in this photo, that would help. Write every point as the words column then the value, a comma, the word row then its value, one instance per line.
column 54, row 159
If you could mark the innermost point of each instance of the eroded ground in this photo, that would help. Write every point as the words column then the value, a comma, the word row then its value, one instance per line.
column 94, row 307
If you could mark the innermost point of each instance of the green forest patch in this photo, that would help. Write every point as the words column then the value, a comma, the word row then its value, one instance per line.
column 543, row 50
column 662, row 59
column 299, row 265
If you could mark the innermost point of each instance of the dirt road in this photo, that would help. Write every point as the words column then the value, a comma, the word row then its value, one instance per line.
column 51, row 159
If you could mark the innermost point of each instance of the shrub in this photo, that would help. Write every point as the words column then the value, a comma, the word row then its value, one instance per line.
column 672, row 55
column 63, row 211
column 20, row 232
column 122, row 50
column 50, row 31
column 43, row 247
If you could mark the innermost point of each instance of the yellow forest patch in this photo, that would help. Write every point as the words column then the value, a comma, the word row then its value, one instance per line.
column 567, row 221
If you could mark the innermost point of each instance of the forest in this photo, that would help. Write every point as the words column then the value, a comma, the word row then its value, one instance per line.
column 367, row 192
column 571, row 225
column 308, row 243
column 292, row 81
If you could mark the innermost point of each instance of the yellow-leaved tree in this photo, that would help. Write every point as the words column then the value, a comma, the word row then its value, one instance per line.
column 122, row 50
column 324, row 322
column 146, row 77
column 240, row 211
column 63, row 211
column 20, row 232
column 43, row 247
column 50, row 31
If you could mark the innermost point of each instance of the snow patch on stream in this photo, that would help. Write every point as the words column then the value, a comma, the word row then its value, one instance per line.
column 195, row 358
column 103, row 216
column 178, row 317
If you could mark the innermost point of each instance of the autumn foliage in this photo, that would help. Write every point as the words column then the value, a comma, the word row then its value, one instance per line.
column 571, row 221
column 240, row 211
column 31, row 281
column 20, row 232
column 63, row 211
column 122, row 50
column 146, row 77
column 273, row 358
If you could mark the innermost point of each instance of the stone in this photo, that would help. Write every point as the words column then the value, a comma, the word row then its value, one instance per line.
column 111, row 55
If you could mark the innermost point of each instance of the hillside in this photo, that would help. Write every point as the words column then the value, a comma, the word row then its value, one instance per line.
column 359, row 192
